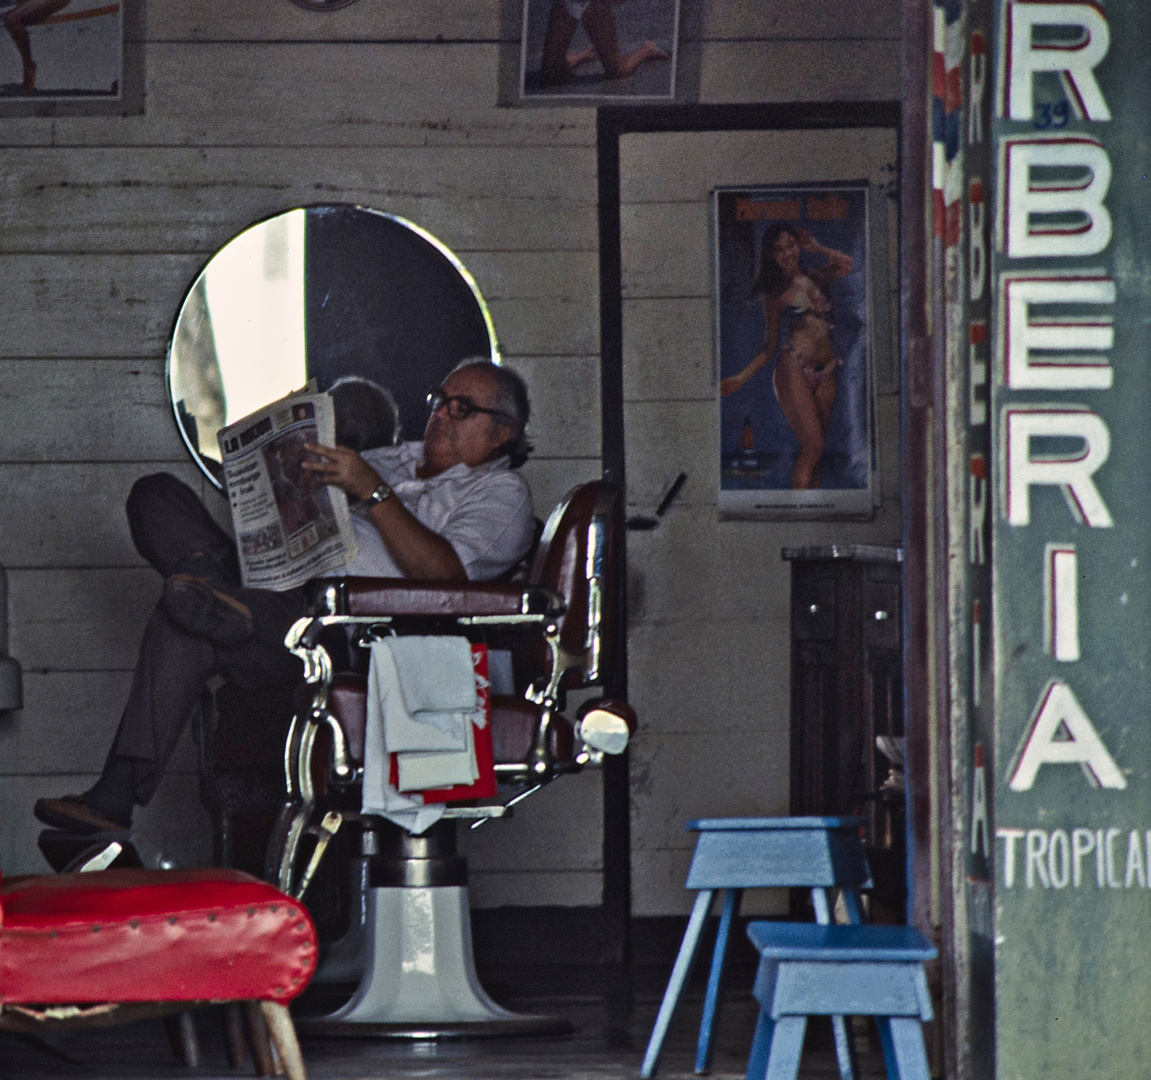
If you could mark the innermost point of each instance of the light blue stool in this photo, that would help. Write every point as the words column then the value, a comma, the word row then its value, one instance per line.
column 733, row 854
column 811, row 970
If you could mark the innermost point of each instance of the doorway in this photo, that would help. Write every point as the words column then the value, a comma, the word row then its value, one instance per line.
column 709, row 635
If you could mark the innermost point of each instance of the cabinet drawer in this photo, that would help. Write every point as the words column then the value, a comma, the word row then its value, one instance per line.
column 813, row 608
column 881, row 614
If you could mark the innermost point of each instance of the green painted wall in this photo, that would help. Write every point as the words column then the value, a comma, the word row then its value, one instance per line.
column 1072, row 850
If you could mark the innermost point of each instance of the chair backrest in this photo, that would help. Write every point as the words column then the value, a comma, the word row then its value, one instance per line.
column 580, row 557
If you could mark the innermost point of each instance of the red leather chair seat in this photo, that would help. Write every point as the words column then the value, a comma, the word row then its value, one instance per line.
column 431, row 599
column 147, row 935
column 514, row 723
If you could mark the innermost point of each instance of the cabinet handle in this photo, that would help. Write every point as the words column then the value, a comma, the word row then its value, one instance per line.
column 814, row 609
column 881, row 615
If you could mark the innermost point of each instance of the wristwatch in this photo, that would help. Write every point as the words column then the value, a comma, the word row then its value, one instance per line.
column 381, row 493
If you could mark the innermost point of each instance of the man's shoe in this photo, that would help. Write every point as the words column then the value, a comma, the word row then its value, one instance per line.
column 201, row 608
column 72, row 813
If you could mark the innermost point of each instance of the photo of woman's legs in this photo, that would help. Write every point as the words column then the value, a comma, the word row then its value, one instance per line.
column 599, row 23
column 17, row 21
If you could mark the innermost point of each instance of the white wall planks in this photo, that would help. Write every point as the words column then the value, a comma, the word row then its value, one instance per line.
column 856, row 19
column 678, row 329
column 564, row 391
column 79, row 619
column 552, row 478
column 187, row 199
column 72, row 513
column 85, row 305
column 174, row 822
column 729, row 663
column 66, row 723
column 746, row 775
column 87, row 410
column 247, row 20
column 752, row 71
column 684, row 166
column 269, row 94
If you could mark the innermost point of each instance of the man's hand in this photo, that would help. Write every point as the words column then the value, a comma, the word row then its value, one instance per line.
column 343, row 468
column 417, row 551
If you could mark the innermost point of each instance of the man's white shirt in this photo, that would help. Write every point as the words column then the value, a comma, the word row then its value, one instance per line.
column 484, row 512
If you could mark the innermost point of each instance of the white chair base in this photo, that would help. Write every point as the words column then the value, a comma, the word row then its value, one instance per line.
column 420, row 977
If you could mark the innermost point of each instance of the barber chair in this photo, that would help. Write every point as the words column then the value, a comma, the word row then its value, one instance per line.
column 410, row 946
column 114, row 946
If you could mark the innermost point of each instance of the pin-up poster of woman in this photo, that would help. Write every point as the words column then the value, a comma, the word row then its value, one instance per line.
column 794, row 348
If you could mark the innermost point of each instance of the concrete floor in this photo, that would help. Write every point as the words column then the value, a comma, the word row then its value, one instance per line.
column 612, row 1010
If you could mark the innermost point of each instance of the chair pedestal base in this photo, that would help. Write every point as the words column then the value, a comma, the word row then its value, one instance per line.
column 343, row 960
column 420, row 979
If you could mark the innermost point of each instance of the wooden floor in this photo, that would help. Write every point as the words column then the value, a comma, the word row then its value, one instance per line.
column 612, row 1010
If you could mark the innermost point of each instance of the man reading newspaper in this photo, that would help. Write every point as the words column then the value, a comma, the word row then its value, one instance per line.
column 448, row 508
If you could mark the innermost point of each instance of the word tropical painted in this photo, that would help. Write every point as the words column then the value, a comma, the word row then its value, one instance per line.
column 1055, row 334
column 1076, row 858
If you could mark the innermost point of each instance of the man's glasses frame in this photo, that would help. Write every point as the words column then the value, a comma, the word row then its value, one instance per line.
column 460, row 408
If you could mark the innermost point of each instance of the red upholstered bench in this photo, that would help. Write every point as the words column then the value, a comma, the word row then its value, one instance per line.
column 109, row 940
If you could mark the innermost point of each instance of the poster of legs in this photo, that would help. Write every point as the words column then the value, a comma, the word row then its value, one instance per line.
column 53, row 50
column 599, row 50
column 793, row 340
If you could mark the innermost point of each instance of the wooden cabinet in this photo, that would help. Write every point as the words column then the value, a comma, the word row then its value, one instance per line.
column 847, row 689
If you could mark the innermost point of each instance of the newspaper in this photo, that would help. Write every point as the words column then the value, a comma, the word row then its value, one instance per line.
column 289, row 528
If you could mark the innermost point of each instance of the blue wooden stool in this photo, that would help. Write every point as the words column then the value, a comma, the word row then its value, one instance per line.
column 811, row 970
column 733, row 854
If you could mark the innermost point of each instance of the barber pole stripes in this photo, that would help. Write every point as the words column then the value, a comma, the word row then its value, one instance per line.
column 977, row 86
column 977, row 651
column 947, row 115
column 977, row 255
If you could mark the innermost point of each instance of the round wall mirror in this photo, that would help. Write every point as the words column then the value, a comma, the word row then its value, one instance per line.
column 320, row 292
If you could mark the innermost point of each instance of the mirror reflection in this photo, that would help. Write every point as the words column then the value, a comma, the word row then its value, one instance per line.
column 320, row 292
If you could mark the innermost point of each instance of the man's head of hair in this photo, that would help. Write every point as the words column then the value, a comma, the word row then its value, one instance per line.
column 366, row 414
column 512, row 402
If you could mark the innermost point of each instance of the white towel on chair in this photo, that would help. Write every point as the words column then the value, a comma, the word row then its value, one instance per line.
column 427, row 687
column 421, row 703
column 379, row 797
column 424, row 693
column 422, row 770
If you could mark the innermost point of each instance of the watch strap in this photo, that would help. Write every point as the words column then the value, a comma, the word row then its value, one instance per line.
column 382, row 492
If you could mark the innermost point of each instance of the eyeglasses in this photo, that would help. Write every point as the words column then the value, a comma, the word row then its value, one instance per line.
column 460, row 408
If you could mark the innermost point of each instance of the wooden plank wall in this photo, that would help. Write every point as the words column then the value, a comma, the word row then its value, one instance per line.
column 253, row 106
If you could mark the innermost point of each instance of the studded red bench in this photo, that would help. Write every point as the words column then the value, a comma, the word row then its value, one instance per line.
column 115, row 945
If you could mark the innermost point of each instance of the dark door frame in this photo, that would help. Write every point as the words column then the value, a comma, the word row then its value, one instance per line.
column 918, row 394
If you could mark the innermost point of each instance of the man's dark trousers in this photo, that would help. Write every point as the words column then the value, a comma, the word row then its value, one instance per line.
column 173, row 530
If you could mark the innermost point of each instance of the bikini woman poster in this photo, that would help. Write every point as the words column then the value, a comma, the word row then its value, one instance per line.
column 794, row 349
